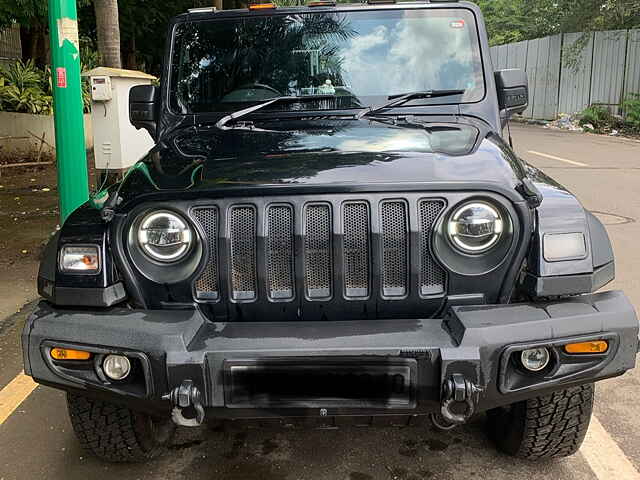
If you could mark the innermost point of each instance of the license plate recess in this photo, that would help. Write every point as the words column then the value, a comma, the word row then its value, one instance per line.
column 316, row 383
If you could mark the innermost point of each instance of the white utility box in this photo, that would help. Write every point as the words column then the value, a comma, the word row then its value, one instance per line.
column 117, row 143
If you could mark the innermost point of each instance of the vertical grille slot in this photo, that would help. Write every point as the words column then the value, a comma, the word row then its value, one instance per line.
column 355, row 221
column 207, row 283
column 318, row 266
column 431, row 274
column 395, row 249
column 242, row 236
column 279, row 251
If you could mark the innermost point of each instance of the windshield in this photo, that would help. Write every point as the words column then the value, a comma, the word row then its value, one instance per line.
column 356, row 59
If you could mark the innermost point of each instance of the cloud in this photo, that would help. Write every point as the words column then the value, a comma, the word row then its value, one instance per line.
column 410, row 54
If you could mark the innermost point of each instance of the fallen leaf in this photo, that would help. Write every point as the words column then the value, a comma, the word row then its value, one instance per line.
column 25, row 251
column 45, row 189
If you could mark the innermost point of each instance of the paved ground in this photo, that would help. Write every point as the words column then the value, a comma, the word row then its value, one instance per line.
column 36, row 440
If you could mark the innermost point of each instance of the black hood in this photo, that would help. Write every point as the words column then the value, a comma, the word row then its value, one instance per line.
column 344, row 154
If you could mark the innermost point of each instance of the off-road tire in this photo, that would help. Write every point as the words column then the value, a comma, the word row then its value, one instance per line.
column 117, row 434
column 550, row 426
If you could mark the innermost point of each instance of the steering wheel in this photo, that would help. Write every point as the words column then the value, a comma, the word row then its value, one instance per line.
column 251, row 92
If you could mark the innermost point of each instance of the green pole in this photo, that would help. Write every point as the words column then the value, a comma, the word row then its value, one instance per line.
column 73, row 189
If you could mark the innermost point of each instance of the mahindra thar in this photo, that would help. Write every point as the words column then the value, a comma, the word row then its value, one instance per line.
column 331, row 226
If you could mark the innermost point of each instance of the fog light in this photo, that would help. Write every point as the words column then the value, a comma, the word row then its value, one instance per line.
column 535, row 359
column 116, row 367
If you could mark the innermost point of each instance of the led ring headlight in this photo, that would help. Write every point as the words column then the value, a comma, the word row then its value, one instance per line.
column 475, row 227
column 164, row 236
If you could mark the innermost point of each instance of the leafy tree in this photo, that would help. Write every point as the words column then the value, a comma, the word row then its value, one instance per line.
column 515, row 20
column 32, row 15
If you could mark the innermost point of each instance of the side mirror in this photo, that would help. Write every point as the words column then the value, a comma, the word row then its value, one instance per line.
column 143, row 108
column 513, row 90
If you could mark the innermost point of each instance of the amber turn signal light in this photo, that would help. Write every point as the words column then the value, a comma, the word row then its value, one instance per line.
column 69, row 354
column 261, row 6
column 594, row 346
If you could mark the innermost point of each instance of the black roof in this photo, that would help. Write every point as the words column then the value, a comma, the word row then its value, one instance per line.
column 205, row 13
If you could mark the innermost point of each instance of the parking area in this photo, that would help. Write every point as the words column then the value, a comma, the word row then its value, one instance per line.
column 36, row 440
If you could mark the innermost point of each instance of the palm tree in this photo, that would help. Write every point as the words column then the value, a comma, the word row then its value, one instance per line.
column 108, row 28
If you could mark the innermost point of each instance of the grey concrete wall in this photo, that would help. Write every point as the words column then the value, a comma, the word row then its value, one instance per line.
column 18, row 132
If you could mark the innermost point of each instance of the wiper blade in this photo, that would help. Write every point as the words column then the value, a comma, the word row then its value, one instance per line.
column 405, row 97
column 246, row 111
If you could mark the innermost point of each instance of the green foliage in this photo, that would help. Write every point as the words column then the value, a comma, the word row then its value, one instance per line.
column 22, row 75
column 514, row 20
column 89, row 59
column 25, row 12
column 596, row 115
column 89, row 56
column 631, row 108
column 24, row 88
column 26, row 100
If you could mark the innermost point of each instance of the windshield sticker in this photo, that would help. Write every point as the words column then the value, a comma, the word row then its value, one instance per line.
column 457, row 24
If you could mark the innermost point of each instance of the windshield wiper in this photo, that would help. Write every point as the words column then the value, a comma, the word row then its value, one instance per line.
column 405, row 97
column 246, row 111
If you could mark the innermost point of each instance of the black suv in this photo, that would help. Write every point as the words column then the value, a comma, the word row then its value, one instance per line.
column 330, row 225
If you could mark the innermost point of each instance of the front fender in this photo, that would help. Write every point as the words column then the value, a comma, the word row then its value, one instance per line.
column 561, row 212
column 83, row 227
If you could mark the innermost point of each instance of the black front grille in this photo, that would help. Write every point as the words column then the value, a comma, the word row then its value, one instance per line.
column 279, row 238
column 395, row 248
column 357, row 249
column 431, row 275
column 318, row 265
column 242, row 236
column 207, row 284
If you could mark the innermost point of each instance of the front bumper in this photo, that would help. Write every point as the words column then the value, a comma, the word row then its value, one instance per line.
column 476, row 343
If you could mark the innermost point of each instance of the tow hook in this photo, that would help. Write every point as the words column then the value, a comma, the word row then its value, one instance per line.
column 182, row 397
column 457, row 389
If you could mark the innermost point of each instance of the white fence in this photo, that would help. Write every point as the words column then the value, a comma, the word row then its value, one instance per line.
column 571, row 71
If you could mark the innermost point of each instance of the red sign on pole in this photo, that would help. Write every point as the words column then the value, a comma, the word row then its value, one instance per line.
column 61, row 77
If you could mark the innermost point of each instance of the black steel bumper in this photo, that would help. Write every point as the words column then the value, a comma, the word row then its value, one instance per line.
column 334, row 368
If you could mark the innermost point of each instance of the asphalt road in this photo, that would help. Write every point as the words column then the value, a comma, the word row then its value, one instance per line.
column 36, row 440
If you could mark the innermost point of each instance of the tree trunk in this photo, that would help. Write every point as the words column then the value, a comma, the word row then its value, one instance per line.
column 108, row 29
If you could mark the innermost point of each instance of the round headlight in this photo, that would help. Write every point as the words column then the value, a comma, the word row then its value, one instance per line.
column 164, row 236
column 475, row 227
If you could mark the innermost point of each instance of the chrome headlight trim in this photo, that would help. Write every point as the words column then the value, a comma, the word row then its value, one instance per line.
column 475, row 235
column 164, row 236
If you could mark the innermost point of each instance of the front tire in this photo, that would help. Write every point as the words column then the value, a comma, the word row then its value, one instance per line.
column 117, row 434
column 549, row 426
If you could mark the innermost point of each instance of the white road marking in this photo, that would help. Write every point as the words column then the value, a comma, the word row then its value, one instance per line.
column 14, row 393
column 560, row 159
column 604, row 456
